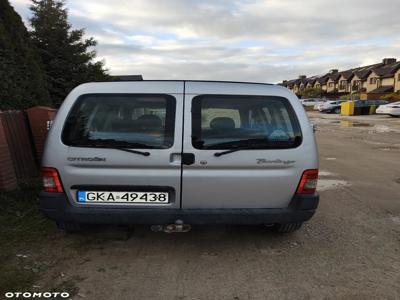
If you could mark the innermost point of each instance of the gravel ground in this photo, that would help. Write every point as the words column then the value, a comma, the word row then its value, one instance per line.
column 349, row 250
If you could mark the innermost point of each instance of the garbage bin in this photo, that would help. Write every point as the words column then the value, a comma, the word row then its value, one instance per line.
column 357, row 110
column 347, row 109
column 372, row 109
column 365, row 110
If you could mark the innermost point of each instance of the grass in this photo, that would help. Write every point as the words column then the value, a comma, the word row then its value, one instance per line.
column 22, row 230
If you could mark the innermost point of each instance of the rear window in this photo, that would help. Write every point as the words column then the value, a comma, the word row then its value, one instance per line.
column 140, row 121
column 259, row 122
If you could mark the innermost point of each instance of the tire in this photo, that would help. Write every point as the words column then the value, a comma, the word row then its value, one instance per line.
column 287, row 228
column 69, row 227
column 337, row 111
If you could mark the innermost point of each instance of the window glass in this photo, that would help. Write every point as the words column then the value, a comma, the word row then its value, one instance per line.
column 226, row 122
column 209, row 114
column 144, row 121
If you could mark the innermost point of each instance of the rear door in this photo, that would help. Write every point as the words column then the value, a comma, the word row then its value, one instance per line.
column 228, row 116
column 145, row 117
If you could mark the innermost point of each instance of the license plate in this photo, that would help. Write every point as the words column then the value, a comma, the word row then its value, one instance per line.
column 122, row 197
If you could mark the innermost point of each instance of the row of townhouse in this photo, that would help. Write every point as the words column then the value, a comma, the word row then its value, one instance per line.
column 369, row 81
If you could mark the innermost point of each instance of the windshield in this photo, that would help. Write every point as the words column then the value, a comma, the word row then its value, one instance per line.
column 251, row 122
column 137, row 121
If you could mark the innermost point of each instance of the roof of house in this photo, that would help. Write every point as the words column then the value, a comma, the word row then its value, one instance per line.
column 363, row 72
column 387, row 70
column 292, row 82
column 383, row 89
column 127, row 78
column 323, row 79
column 383, row 69
column 312, row 79
column 348, row 74
column 334, row 76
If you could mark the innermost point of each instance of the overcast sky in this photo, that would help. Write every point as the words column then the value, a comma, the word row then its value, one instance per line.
column 245, row 40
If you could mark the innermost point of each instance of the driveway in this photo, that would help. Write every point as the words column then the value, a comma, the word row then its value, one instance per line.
column 349, row 250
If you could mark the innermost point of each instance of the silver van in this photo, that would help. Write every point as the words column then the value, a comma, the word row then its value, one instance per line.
column 177, row 153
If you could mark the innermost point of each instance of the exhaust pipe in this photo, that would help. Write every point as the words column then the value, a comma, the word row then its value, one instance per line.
column 179, row 226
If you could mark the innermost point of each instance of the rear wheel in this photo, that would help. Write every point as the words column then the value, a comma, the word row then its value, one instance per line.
column 337, row 110
column 69, row 227
column 287, row 228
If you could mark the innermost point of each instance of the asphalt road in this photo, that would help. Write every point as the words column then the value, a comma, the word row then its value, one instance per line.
column 349, row 250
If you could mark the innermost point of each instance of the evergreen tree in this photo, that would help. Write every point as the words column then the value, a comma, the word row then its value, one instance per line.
column 22, row 81
column 68, row 58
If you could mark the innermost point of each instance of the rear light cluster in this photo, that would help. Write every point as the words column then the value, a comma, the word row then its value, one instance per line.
column 308, row 182
column 51, row 181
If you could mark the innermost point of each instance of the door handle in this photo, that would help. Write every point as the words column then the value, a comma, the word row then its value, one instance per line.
column 188, row 159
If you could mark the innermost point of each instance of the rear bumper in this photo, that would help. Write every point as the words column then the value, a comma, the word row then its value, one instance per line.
column 57, row 207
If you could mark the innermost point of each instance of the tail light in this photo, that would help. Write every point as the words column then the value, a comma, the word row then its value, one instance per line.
column 51, row 180
column 308, row 182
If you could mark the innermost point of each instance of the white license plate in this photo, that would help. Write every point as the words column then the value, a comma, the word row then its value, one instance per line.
column 122, row 197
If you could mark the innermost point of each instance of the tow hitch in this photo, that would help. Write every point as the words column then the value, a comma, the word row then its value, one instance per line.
column 179, row 226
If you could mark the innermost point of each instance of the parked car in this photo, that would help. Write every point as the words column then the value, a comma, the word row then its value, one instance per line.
column 309, row 102
column 176, row 153
column 391, row 109
column 370, row 102
column 331, row 106
column 319, row 104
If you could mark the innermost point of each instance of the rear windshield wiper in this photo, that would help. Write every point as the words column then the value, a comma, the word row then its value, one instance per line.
column 115, row 144
column 240, row 145
column 144, row 153
column 218, row 154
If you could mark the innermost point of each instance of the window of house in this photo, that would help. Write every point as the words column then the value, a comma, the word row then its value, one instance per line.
column 398, row 77
column 372, row 80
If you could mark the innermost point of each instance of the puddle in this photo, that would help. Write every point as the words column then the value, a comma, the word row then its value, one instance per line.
column 382, row 128
column 388, row 148
column 325, row 173
column 330, row 184
column 354, row 124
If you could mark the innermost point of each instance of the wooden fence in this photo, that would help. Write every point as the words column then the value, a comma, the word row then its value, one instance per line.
column 19, row 156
